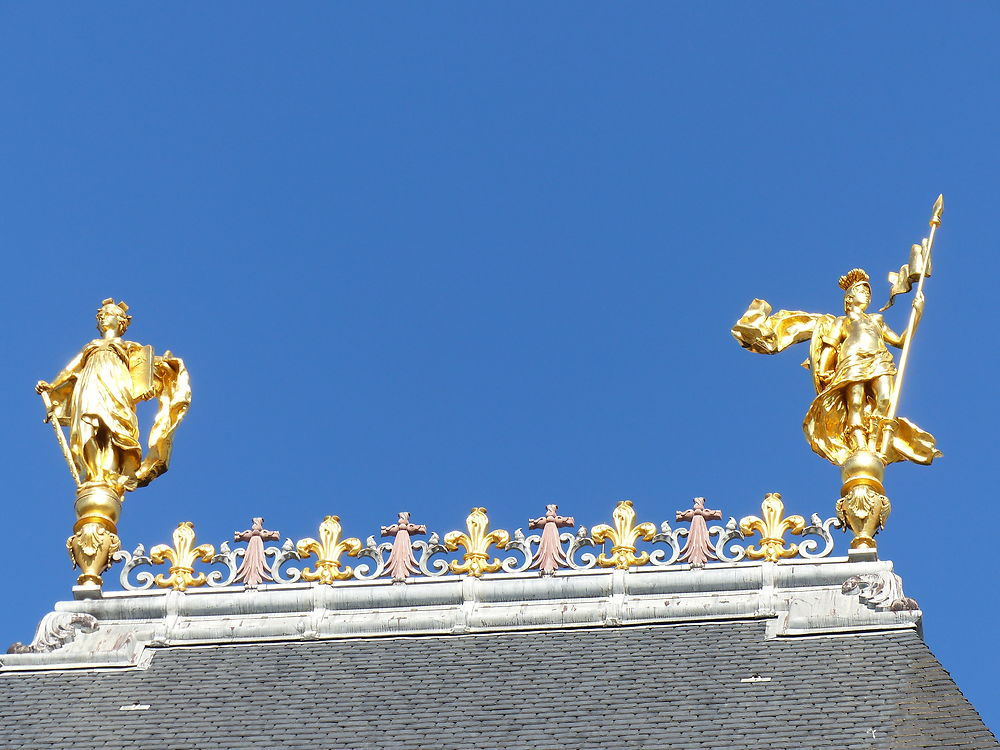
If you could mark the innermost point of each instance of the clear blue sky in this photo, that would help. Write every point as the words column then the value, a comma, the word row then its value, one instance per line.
column 430, row 256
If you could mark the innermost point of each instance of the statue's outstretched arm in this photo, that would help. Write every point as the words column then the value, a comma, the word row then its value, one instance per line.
column 69, row 372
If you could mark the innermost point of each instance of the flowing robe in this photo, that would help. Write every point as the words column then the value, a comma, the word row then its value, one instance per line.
column 94, row 396
column 826, row 420
column 102, row 398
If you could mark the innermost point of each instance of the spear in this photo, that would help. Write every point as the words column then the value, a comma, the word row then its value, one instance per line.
column 928, row 243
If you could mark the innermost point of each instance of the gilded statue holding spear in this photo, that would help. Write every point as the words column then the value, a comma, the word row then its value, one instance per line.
column 852, row 421
column 95, row 395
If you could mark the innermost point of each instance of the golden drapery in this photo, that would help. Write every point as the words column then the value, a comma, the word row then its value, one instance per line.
column 95, row 394
column 173, row 392
column 826, row 419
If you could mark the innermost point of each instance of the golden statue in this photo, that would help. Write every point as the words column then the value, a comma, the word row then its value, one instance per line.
column 95, row 395
column 852, row 421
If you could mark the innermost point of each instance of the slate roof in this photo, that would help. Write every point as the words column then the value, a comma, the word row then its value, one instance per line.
column 696, row 685
column 803, row 653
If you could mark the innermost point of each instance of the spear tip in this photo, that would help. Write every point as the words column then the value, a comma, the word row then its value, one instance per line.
column 937, row 210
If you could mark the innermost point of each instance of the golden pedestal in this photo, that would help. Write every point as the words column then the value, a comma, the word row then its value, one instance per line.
column 95, row 538
column 863, row 506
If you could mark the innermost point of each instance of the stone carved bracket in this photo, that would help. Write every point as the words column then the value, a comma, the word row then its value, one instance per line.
column 880, row 591
column 56, row 630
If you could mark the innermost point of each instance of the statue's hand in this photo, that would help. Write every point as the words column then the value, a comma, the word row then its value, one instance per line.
column 918, row 304
column 41, row 386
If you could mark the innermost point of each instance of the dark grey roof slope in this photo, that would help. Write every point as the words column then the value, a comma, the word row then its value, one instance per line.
column 797, row 654
column 716, row 684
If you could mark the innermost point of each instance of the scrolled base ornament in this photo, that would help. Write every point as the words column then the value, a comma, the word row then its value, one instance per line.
column 865, row 512
column 91, row 548
column 95, row 534
column 863, row 507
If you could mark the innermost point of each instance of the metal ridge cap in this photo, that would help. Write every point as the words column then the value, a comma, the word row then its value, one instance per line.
column 807, row 597
column 497, row 587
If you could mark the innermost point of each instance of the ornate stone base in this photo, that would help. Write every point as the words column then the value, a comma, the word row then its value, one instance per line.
column 863, row 507
column 95, row 538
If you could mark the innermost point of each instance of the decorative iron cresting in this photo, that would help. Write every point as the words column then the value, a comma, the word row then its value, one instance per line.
column 554, row 550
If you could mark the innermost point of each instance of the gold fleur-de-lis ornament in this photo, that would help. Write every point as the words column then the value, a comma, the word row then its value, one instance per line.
column 772, row 528
column 476, row 542
column 184, row 554
column 623, row 537
column 328, row 550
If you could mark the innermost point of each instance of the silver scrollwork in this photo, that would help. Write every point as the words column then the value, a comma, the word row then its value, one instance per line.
column 289, row 574
column 820, row 528
column 522, row 545
column 377, row 554
column 430, row 548
column 729, row 534
column 132, row 560
column 230, row 558
column 582, row 539
column 671, row 537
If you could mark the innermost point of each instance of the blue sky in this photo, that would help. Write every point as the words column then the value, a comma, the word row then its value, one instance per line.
column 425, row 257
